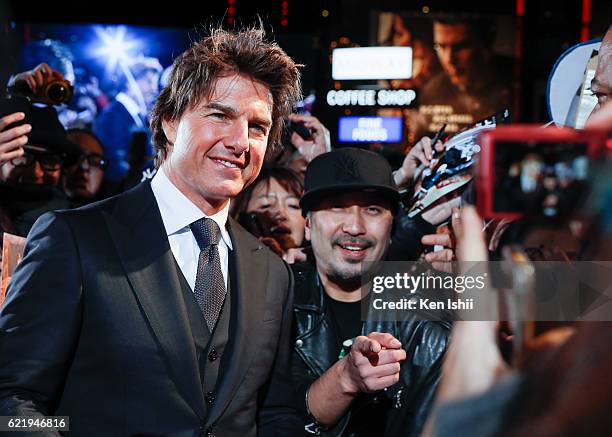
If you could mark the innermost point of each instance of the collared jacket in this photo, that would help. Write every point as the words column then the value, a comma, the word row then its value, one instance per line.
column 95, row 326
column 404, row 406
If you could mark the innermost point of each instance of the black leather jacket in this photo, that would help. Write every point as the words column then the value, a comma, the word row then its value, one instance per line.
column 405, row 405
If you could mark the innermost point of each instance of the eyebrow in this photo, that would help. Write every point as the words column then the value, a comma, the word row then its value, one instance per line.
column 223, row 108
column 228, row 110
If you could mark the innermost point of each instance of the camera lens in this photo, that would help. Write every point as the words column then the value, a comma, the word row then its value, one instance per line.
column 57, row 92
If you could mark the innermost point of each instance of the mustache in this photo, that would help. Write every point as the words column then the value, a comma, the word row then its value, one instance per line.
column 353, row 241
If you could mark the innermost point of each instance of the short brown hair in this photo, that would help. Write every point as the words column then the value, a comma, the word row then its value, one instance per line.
column 220, row 54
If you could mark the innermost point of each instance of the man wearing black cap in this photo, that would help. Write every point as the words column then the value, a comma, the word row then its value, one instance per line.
column 30, row 174
column 341, row 364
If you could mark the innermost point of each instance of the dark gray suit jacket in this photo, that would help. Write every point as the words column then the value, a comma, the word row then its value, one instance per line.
column 94, row 327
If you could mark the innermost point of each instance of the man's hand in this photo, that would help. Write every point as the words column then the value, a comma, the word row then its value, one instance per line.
column 320, row 142
column 38, row 77
column 473, row 362
column 373, row 364
column 441, row 259
column 471, row 366
column 471, row 244
column 441, row 210
column 294, row 255
column 420, row 154
column 12, row 140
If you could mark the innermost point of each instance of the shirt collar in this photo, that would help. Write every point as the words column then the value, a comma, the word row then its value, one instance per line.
column 178, row 212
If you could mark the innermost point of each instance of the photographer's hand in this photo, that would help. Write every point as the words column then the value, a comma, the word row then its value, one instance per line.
column 471, row 244
column 473, row 362
column 37, row 78
column 12, row 140
column 321, row 141
column 420, row 154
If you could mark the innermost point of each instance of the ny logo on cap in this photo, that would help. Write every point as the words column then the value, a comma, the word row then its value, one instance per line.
column 346, row 168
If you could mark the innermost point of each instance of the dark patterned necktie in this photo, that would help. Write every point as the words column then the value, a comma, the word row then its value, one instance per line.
column 209, row 288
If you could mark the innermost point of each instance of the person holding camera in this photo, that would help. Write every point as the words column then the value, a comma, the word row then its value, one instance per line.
column 43, row 84
column 309, row 138
column 12, row 139
column 561, row 388
column 35, row 150
column 38, row 83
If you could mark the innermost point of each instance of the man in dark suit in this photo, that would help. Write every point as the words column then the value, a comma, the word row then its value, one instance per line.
column 152, row 313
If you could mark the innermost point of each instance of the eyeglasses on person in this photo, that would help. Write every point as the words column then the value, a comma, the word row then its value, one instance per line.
column 48, row 161
column 94, row 160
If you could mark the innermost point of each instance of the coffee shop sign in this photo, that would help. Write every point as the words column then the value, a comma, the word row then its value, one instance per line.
column 370, row 97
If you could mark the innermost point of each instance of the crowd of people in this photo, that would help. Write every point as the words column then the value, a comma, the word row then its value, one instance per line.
column 43, row 167
column 223, row 295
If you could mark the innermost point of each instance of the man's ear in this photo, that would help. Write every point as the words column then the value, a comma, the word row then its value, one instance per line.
column 169, row 128
column 307, row 228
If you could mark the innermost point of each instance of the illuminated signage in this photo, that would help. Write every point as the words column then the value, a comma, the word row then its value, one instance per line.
column 372, row 63
column 351, row 98
column 370, row 129
column 370, row 97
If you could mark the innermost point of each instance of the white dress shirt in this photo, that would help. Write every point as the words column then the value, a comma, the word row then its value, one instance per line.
column 177, row 213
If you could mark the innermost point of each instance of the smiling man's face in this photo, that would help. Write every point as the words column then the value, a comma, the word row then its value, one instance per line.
column 348, row 229
column 217, row 147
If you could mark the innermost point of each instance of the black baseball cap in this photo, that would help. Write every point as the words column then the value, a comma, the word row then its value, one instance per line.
column 347, row 169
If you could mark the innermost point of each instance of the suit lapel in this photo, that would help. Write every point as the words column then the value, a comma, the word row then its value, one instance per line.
column 248, row 308
column 138, row 233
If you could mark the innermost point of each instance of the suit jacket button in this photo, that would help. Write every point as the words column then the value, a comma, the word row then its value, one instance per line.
column 213, row 355
column 209, row 432
column 299, row 343
column 210, row 397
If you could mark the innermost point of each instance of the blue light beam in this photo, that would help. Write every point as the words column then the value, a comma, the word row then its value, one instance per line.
column 114, row 46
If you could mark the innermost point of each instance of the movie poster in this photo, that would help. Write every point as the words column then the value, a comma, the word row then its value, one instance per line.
column 463, row 68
